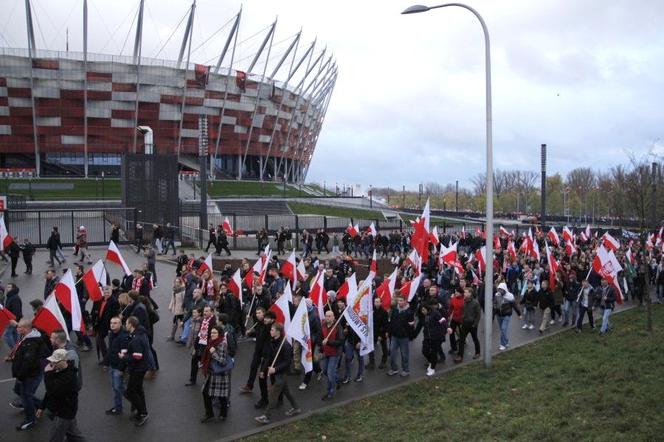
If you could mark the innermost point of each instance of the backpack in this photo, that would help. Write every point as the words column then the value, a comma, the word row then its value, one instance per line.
column 231, row 341
column 153, row 316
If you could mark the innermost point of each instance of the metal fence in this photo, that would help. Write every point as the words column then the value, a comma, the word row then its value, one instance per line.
column 36, row 225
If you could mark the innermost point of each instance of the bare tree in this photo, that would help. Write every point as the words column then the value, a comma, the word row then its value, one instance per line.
column 479, row 184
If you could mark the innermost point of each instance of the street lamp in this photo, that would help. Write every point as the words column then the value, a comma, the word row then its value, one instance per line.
column 488, row 277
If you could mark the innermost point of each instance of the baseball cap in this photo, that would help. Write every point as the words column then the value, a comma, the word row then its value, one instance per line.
column 58, row 355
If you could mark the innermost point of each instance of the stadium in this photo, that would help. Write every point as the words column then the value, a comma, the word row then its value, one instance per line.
column 68, row 113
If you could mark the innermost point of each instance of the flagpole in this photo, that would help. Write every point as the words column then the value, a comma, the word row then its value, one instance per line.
column 279, row 350
column 250, row 306
column 336, row 323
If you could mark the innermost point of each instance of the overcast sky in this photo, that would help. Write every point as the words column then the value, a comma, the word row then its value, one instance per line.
column 585, row 77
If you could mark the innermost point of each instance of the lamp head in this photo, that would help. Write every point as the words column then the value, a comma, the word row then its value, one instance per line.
column 415, row 9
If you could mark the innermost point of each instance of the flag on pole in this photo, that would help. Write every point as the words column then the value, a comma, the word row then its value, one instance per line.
column 113, row 254
column 49, row 318
column 281, row 309
column 607, row 266
column 480, row 255
column 413, row 259
column 235, row 285
column 568, row 236
column 95, row 279
column 503, row 231
column 372, row 230
column 65, row 293
column 448, row 255
column 434, row 236
column 206, row 265
column 409, row 289
column 352, row 230
column 511, row 250
column 359, row 314
column 553, row 266
column 610, row 242
column 288, row 269
column 386, row 290
column 299, row 330
column 553, row 236
column 318, row 294
column 5, row 317
column 5, row 238
column 226, row 227
column 570, row 248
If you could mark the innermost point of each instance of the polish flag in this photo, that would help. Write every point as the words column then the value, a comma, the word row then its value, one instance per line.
column 496, row 243
column 607, row 266
column 480, row 233
column 282, row 310
column 409, row 289
column 288, row 269
column 413, row 259
column 448, row 254
column 65, row 293
column 226, row 227
column 299, row 330
column 511, row 250
column 259, row 267
column 480, row 255
column 5, row 238
column 458, row 267
column 49, row 318
column 342, row 293
column 462, row 235
column 568, row 236
column 426, row 217
column 434, row 236
column 610, row 242
column 588, row 234
column 476, row 280
column 113, row 254
column 5, row 317
column 583, row 237
column 353, row 231
column 372, row 230
column 629, row 256
column 535, row 252
column 503, row 231
column 318, row 294
column 649, row 243
column 301, row 271
column 206, row 265
column 95, row 279
column 570, row 248
column 386, row 290
column 553, row 237
column 553, row 266
column 235, row 285
column 373, row 266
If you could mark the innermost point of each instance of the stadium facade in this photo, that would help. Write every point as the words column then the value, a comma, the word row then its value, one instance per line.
column 69, row 113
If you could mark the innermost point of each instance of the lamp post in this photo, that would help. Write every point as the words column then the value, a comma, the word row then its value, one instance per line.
column 488, row 278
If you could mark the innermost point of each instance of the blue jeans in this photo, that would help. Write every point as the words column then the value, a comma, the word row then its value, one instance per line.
column 186, row 329
column 26, row 389
column 605, row 320
column 569, row 312
column 349, row 353
column 169, row 243
column 402, row 345
column 11, row 336
column 504, row 323
column 118, row 387
column 660, row 291
column 330, row 370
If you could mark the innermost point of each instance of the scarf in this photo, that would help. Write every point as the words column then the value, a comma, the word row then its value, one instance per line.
column 203, row 332
column 207, row 357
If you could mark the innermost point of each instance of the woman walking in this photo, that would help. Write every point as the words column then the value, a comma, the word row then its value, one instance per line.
column 216, row 366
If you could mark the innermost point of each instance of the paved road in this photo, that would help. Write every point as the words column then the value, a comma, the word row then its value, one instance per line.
column 174, row 409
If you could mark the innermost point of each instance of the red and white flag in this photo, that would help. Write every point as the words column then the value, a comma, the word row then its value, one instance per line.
column 235, row 285
column 502, row 231
column 359, row 314
column 511, row 250
column 570, row 248
column 588, row 234
column 318, row 294
column 206, row 265
column 227, row 228
column 113, row 254
column 5, row 238
column 386, row 290
column 610, row 242
column 462, row 235
column 49, row 318
column 352, row 230
column 496, row 243
column 553, row 237
column 95, row 279
column 409, row 289
column 373, row 266
column 434, row 236
column 299, row 330
column 607, row 266
column 65, row 293
column 480, row 256
column 5, row 317
column 568, row 236
column 448, row 255
column 281, row 309
column 629, row 256
column 301, row 271
column 553, row 266
column 288, row 269
column 372, row 230
column 413, row 259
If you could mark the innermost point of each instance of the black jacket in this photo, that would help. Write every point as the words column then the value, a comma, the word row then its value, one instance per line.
column 116, row 342
column 139, row 354
column 102, row 323
column 28, row 358
column 49, row 286
column 282, row 364
column 572, row 290
column 545, row 299
column 399, row 322
column 53, row 241
column 14, row 304
column 61, row 396
column 381, row 322
column 434, row 329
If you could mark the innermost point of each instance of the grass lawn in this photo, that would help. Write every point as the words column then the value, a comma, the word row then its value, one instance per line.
column 434, row 219
column 315, row 209
column 84, row 189
column 218, row 189
column 564, row 388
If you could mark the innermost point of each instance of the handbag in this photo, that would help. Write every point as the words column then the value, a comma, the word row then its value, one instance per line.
column 218, row 368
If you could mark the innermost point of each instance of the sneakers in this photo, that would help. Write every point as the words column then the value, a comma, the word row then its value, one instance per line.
column 113, row 412
column 502, row 347
column 359, row 379
column 346, row 380
column 264, row 420
column 392, row 372
column 531, row 327
column 302, row 386
column 85, row 348
column 293, row 412
column 431, row 371
column 25, row 425
column 404, row 373
column 327, row 397
column 551, row 322
column 525, row 327
column 245, row 389
column 141, row 419
column 16, row 405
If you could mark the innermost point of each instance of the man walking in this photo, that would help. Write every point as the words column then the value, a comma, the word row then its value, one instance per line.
column 402, row 321
column 139, row 361
column 53, row 244
column 118, row 341
column 607, row 303
column 169, row 238
column 61, row 398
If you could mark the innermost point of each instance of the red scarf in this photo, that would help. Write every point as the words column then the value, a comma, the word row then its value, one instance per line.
column 207, row 356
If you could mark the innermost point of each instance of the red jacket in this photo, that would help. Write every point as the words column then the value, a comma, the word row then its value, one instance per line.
column 335, row 340
column 456, row 308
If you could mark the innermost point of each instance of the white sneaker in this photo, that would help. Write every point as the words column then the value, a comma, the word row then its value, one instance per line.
column 525, row 326
column 551, row 322
column 531, row 327
column 431, row 371
column 501, row 348
column 303, row 386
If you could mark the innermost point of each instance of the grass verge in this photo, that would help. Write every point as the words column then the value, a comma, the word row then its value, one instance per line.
column 84, row 189
column 219, row 189
column 566, row 387
column 316, row 209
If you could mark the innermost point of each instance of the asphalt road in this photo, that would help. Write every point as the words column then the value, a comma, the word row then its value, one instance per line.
column 174, row 409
